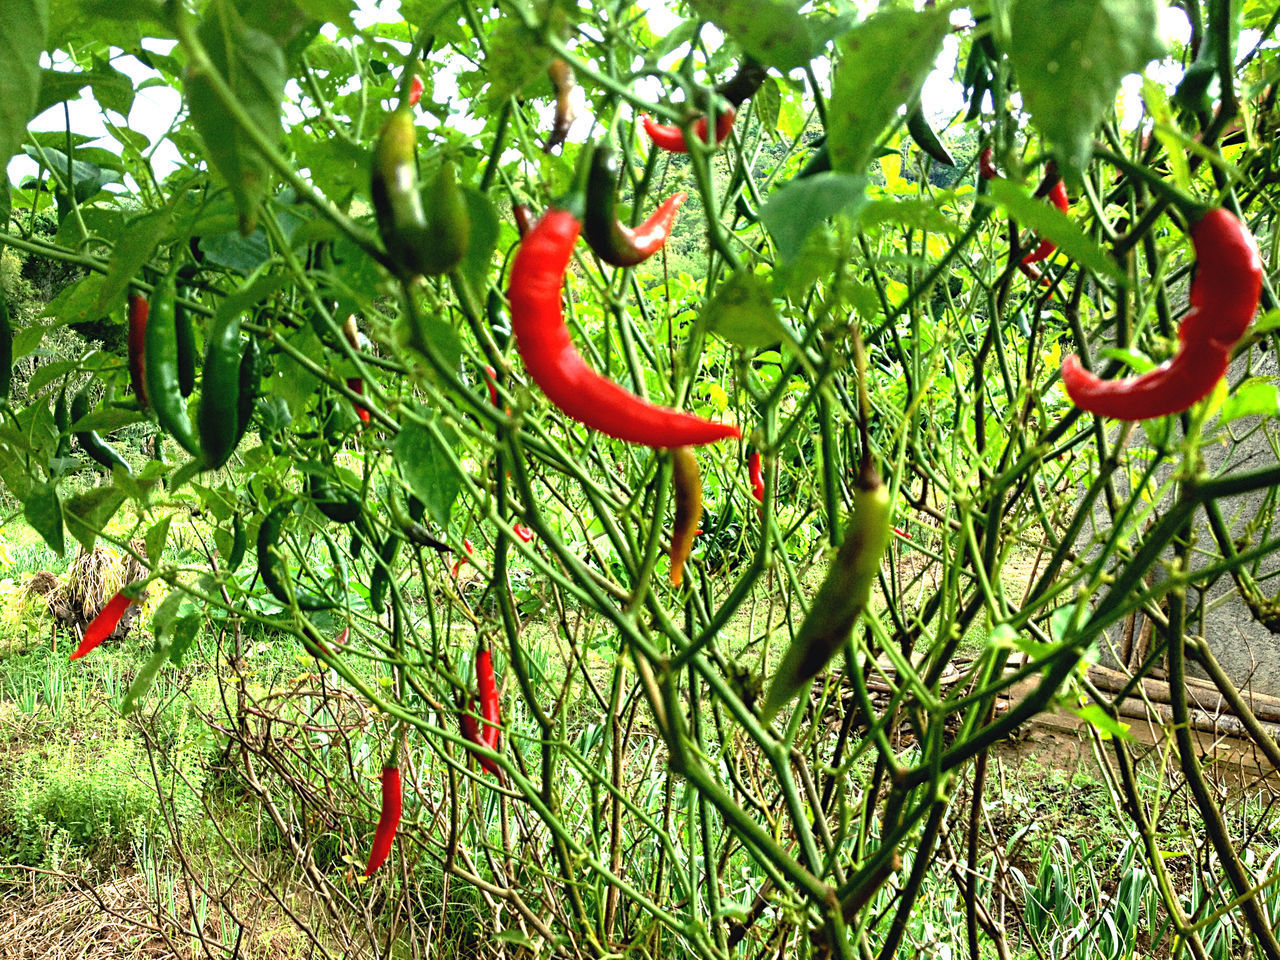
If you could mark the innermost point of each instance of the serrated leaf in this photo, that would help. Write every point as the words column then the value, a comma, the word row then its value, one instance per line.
column 883, row 64
column 43, row 511
column 742, row 312
column 1253, row 398
column 1051, row 223
column 23, row 28
column 801, row 205
column 771, row 31
column 1069, row 65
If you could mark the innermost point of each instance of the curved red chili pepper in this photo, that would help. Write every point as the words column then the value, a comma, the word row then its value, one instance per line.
column 1224, row 297
column 138, row 310
column 102, row 624
column 671, row 138
column 356, row 385
column 415, row 90
column 388, row 819
column 1058, row 197
column 553, row 363
column 754, row 473
column 491, row 378
column 461, row 560
column 523, row 532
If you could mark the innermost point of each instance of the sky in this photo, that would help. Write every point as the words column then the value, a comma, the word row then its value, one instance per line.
column 155, row 107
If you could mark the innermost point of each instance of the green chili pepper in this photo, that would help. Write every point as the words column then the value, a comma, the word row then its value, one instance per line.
column 247, row 395
column 89, row 441
column 381, row 577
column 62, row 421
column 239, row 541
column 843, row 596
column 448, row 222
column 186, row 334
column 334, row 500
column 271, row 567
column 219, row 415
column 925, row 137
column 161, row 370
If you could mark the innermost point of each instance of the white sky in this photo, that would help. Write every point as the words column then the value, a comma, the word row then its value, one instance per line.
column 155, row 107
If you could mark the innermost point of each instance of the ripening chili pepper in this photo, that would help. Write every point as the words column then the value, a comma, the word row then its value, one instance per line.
column 671, row 138
column 138, row 309
column 102, row 625
column 461, row 560
column 553, row 363
column 1057, row 194
column 523, row 532
column 843, row 596
column 687, row 484
column 1224, row 298
column 986, row 169
column 6, row 349
column 471, row 730
column 612, row 242
column 271, row 567
column 164, row 388
column 388, row 819
column 416, row 86
column 743, row 84
column 219, row 414
column 755, row 476
column 356, row 385
column 487, row 689
column 523, row 217
column 561, row 76
column 90, row 442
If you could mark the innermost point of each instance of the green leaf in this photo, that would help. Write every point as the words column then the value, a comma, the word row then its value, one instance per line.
column 253, row 66
column 771, row 31
column 88, row 513
column 184, row 632
column 427, row 470
column 166, row 615
column 1268, row 321
column 883, row 64
column 23, row 27
column 43, row 510
column 478, row 261
column 742, row 312
column 143, row 681
column 1254, row 398
column 1069, row 62
column 1051, row 223
column 108, row 419
column 111, row 88
column 1102, row 721
column 800, row 206
column 134, row 247
column 156, row 538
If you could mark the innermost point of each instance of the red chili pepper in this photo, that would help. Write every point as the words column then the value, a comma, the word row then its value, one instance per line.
column 388, row 819
column 1058, row 197
column 416, row 87
column 491, row 377
column 471, row 730
column 753, row 472
column 986, row 169
column 357, row 386
column 671, row 138
column 1224, row 298
column 902, row 533
column 553, row 363
column 487, row 688
column 341, row 639
column 102, row 624
column 138, row 309
column 523, row 532
column 461, row 560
